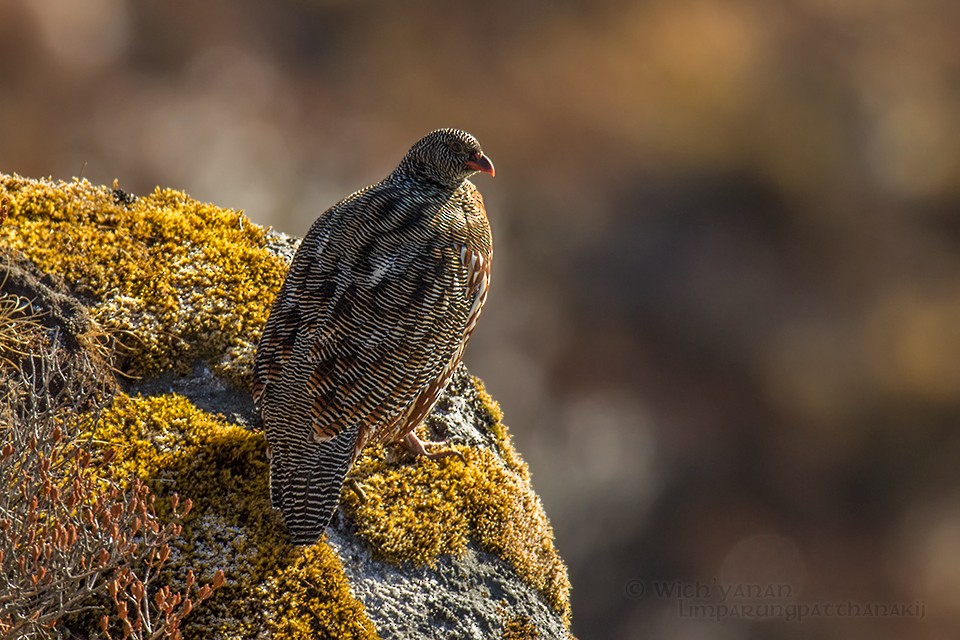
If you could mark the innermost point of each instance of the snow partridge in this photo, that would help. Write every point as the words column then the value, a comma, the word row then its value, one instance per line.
column 372, row 319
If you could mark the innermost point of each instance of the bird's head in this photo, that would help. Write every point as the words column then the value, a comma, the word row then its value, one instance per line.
column 446, row 156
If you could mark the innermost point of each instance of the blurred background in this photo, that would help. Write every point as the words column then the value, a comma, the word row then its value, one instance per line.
column 725, row 315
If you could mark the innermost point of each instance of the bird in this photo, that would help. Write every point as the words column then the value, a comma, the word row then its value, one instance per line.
column 370, row 323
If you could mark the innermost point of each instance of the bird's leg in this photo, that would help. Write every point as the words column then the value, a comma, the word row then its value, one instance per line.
column 418, row 447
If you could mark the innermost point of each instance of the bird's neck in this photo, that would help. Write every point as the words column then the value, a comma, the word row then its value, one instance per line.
column 416, row 178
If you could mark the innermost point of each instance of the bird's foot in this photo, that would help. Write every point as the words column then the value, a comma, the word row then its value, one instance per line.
column 418, row 447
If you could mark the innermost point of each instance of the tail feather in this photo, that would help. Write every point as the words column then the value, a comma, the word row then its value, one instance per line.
column 305, row 483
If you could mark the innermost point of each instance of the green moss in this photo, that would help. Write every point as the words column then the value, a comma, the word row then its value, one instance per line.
column 270, row 585
column 174, row 279
column 416, row 512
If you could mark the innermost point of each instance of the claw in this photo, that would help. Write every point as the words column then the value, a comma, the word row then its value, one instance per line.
column 418, row 447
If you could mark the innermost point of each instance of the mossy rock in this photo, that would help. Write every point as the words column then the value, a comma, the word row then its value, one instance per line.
column 171, row 278
column 180, row 291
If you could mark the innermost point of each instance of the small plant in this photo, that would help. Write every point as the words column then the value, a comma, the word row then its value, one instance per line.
column 19, row 327
column 76, row 544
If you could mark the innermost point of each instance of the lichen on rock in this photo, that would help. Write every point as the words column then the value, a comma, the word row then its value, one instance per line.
column 174, row 279
column 272, row 587
column 417, row 511
column 175, row 293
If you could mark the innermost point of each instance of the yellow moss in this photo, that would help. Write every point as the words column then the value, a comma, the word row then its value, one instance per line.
column 308, row 599
column 176, row 279
column 490, row 408
column 271, row 586
column 416, row 512
column 520, row 628
column 494, row 414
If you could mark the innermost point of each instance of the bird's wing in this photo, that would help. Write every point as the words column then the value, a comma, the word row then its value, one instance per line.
column 306, row 473
column 473, row 245
column 285, row 323
column 372, row 311
column 401, row 319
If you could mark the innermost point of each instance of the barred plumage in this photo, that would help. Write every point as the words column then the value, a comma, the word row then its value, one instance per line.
column 371, row 321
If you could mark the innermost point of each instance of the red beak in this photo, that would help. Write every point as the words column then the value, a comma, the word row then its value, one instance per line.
column 482, row 163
